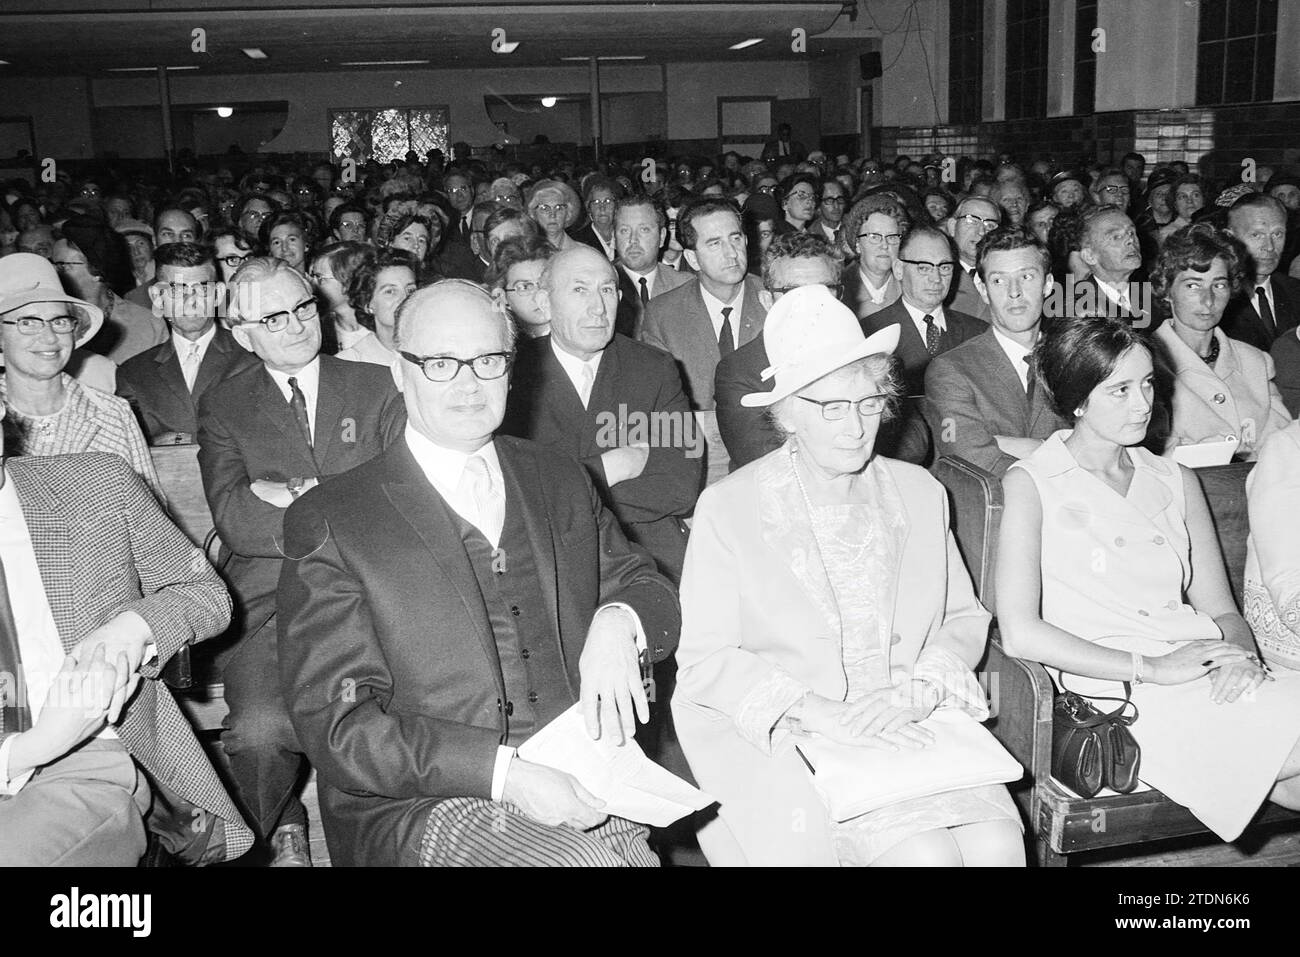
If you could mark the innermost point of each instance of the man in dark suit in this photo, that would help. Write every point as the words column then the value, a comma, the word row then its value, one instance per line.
column 712, row 314
column 1286, row 360
column 981, row 401
column 640, row 230
column 599, row 196
column 973, row 219
column 1269, row 303
column 614, row 404
column 93, row 569
column 452, row 597
column 266, row 435
column 1117, row 285
column 165, row 383
column 460, row 193
column 783, row 149
column 792, row 260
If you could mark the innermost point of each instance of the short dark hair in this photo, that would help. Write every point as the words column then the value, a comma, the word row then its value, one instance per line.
column 923, row 231
column 510, row 214
column 361, row 289
column 346, row 258
column 1195, row 247
column 1006, row 239
column 106, row 252
column 634, row 201
column 812, row 181
column 406, row 220
column 1074, row 356
column 336, row 217
column 698, row 209
column 597, row 181
column 800, row 245
column 173, row 208
column 513, row 251
column 288, row 217
column 185, row 255
column 247, row 198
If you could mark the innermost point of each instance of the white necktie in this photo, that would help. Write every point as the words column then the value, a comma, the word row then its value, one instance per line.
column 489, row 502
column 588, row 380
column 190, row 365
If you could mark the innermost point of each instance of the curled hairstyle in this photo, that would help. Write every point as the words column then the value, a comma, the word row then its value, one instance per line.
column 346, row 258
column 1195, row 247
column 336, row 217
column 1074, row 356
column 511, row 252
column 289, row 217
column 864, row 208
column 404, row 222
column 798, row 245
column 361, row 287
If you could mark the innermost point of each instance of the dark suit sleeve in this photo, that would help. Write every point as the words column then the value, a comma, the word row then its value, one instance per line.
column 1286, row 361
column 747, row 433
column 674, row 471
column 339, row 689
column 181, row 597
column 392, row 416
column 629, row 575
column 248, row 526
column 126, row 390
column 956, row 427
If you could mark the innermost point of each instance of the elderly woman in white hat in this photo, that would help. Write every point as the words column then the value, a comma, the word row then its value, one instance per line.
column 823, row 594
column 554, row 206
column 50, row 412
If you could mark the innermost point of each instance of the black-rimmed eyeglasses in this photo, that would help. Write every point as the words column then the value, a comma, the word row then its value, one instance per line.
column 834, row 410
column 304, row 312
column 490, row 365
column 32, row 326
column 927, row 268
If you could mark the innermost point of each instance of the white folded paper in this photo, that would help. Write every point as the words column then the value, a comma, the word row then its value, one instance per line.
column 1206, row 453
column 631, row 785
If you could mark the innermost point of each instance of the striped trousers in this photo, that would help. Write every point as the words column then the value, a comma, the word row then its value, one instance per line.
column 476, row 832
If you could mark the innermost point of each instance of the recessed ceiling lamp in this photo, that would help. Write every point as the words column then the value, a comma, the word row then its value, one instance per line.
column 253, row 53
column 225, row 112
column 548, row 101
column 745, row 43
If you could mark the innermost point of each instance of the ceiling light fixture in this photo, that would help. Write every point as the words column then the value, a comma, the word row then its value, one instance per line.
column 745, row 43
column 548, row 101
column 382, row 62
column 584, row 59
column 253, row 53
column 225, row 112
column 144, row 69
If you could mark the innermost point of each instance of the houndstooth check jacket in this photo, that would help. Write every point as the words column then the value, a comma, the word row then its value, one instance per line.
column 103, row 546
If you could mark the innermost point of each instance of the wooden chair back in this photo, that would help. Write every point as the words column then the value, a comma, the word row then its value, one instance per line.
column 1225, row 493
column 178, row 471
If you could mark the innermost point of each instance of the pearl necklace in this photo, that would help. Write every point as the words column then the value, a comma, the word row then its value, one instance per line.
column 860, row 546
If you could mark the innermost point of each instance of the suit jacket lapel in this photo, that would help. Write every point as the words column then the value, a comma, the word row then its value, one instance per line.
column 329, row 408
column 215, row 361
column 422, row 507
column 701, row 325
column 47, row 523
column 1009, row 384
column 272, row 407
column 169, row 370
column 752, row 314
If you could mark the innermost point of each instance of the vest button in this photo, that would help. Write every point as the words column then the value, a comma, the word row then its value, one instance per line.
column 514, row 610
column 1159, row 539
column 1119, row 542
column 510, row 709
column 1220, row 398
column 525, row 653
column 532, row 697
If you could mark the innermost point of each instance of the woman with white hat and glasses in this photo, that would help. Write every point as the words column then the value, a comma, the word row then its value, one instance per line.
column 823, row 595
column 50, row 412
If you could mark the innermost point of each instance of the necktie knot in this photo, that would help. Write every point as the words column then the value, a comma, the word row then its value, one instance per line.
column 645, row 291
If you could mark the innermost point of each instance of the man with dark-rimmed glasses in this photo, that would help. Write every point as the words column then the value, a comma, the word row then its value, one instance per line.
column 452, row 597
column 266, row 435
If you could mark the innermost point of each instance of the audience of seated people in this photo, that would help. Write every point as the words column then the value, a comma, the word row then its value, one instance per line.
column 213, row 304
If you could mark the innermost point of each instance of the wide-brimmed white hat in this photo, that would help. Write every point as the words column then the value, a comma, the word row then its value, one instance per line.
column 809, row 334
column 26, row 278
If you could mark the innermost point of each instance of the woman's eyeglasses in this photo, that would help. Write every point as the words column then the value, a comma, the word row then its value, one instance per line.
column 835, row 410
column 32, row 326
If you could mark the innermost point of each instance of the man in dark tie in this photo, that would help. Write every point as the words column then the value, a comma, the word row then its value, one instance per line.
column 460, row 192
column 1117, row 286
column 165, row 383
column 266, row 435
column 711, row 314
column 640, row 231
column 614, row 404
column 1269, row 305
column 449, row 599
column 98, row 590
column 973, row 219
column 981, row 401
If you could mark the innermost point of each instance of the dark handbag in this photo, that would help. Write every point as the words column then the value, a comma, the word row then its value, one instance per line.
column 1092, row 749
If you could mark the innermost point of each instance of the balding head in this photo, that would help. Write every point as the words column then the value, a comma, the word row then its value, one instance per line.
column 579, row 297
column 461, row 320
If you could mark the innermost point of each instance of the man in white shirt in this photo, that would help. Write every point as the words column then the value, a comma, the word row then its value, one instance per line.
column 1117, row 287
column 267, row 434
column 972, row 220
column 454, row 596
column 640, row 230
column 981, row 401
column 1268, row 305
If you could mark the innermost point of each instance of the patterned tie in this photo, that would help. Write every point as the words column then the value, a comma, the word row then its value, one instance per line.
column 932, row 334
column 488, row 501
column 14, row 714
column 726, row 341
column 1265, row 310
column 1030, row 380
column 645, row 291
column 190, row 365
column 299, row 406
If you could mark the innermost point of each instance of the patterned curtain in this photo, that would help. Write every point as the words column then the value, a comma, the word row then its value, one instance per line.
column 386, row 135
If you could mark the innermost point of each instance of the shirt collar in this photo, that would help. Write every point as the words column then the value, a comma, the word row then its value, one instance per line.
column 1014, row 350
column 572, row 365
column 308, row 377
column 877, row 293
column 716, row 305
column 444, row 467
column 919, row 317
column 183, row 345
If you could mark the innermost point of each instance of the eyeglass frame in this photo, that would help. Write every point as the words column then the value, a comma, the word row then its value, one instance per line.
column 947, row 263
column 836, row 288
column 421, row 361
column 848, row 403
column 886, row 239
column 266, row 321
column 547, row 208
column 47, row 323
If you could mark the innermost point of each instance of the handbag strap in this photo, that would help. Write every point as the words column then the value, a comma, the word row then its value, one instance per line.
column 1117, row 715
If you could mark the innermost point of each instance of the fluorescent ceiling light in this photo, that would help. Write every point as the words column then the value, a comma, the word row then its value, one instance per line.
column 745, row 43
column 253, row 53
column 225, row 112
column 584, row 59
column 145, row 69
column 4, row 62
column 548, row 101
column 382, row 62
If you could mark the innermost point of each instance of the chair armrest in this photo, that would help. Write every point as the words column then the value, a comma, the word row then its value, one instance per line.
column 1022, row 694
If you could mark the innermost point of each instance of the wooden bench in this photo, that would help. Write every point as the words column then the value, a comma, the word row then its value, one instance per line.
column 202, row 700
column 1021, row 691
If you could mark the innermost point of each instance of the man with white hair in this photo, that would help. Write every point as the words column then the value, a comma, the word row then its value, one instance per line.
column 266, row 435
column 450, row 598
